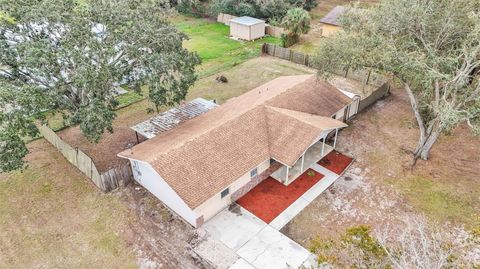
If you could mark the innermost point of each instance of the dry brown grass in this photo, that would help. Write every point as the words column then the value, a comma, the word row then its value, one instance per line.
column 445, row 188
column 52, row 217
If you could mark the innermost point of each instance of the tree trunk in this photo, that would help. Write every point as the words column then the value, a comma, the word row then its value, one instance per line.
column 425, row 147
column 428, row 136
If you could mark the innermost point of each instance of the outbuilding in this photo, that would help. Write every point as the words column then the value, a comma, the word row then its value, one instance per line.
column 331, row 23
column 247, row 28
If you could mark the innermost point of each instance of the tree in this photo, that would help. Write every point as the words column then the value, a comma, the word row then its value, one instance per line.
column 296, row 22
column 70, row 55
column 431, row 47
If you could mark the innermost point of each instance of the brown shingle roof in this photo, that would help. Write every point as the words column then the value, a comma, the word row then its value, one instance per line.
column 204, row 155
column 292, row 132
column 333, row 15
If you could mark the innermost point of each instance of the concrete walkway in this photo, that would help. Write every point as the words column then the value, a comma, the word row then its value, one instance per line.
column 294, row 209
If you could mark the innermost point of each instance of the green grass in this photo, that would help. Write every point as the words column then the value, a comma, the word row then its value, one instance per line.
column 131, row 97
column 212, row 43
column 440, row 202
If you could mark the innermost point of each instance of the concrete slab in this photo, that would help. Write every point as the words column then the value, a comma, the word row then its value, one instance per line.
column 288, row 214
column 271, row 249
column 241, row 264
column 215, row 252
column 234, row 229
column 328, row 179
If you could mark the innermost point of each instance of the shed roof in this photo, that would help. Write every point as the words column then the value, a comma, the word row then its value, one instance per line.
column 173, row 117
column 333, row 15
column 204, row 155
column 245, row 20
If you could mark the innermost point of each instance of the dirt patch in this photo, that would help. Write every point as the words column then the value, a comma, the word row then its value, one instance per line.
column 104, row 153
column 380, row 186
column 159, row 238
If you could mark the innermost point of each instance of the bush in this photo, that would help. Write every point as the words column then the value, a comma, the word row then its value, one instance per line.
column 190, row 7
column 288, row 40
column 267, row 9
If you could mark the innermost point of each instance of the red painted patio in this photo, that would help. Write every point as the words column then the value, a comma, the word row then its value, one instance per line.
column 270, row 198
column 335, row 162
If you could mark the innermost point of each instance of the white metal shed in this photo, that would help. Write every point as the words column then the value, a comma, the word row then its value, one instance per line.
column 247, row 28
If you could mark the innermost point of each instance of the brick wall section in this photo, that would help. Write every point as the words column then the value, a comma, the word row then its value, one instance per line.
column 255, row 181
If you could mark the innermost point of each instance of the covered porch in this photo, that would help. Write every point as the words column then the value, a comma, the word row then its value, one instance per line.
column 287, row 174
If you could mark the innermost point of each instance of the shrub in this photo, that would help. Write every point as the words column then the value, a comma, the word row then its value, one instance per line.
column 267, row 9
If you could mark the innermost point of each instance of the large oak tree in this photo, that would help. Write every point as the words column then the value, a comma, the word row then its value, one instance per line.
column 431, row 46
column 70, row 55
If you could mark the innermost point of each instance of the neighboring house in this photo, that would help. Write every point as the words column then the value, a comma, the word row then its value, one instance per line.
column 204, row 164
column 247, row 28
column 330, row 23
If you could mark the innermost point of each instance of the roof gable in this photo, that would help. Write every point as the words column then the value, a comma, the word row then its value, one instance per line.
column 333, row 15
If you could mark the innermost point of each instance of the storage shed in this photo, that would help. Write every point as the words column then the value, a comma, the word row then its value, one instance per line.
column 247, row 28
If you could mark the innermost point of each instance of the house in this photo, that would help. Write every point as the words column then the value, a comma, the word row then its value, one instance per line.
column 247, row 28
column 204, row 164
column 330, row 23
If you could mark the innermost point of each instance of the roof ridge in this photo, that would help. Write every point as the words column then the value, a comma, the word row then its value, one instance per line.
column 282, row 111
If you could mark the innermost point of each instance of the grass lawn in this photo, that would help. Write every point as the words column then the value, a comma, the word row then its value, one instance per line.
column 52, row 217
column 212, row 43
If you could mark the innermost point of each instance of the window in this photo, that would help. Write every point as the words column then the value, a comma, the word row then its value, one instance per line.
column 225, row 192
column 254, row 172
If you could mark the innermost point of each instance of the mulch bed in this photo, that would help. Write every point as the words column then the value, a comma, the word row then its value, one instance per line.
column 270, row 198
column 335, row 162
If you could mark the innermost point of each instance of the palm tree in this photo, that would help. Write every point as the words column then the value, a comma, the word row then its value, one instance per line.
column 296, row 22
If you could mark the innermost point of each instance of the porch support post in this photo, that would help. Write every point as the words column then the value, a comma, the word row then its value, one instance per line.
column 303, row 158
column 335, row 140
column 323, row 146
column 286, row 177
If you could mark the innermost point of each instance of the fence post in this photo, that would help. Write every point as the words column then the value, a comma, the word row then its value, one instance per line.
column 274, row 49
column 368, row 77
column 291, row 55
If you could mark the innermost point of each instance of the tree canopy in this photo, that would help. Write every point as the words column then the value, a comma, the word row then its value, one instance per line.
column 431, row 47
column 71, row 55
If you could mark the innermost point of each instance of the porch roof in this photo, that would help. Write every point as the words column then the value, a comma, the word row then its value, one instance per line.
column 292, row 132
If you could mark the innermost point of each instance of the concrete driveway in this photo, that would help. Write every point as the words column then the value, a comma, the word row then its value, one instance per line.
column 255, row 244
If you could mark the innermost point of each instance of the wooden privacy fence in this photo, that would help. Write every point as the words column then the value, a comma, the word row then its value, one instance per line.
column 274, row 31
column 379, row 93
column 225, row 18
column 269, row 30
column 366, row 76
column 106, row 181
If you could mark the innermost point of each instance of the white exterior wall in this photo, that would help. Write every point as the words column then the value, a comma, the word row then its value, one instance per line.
column 216, row 204
column 246, row 32
column 146, row 176
column 239, row 31
column 257, row 31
